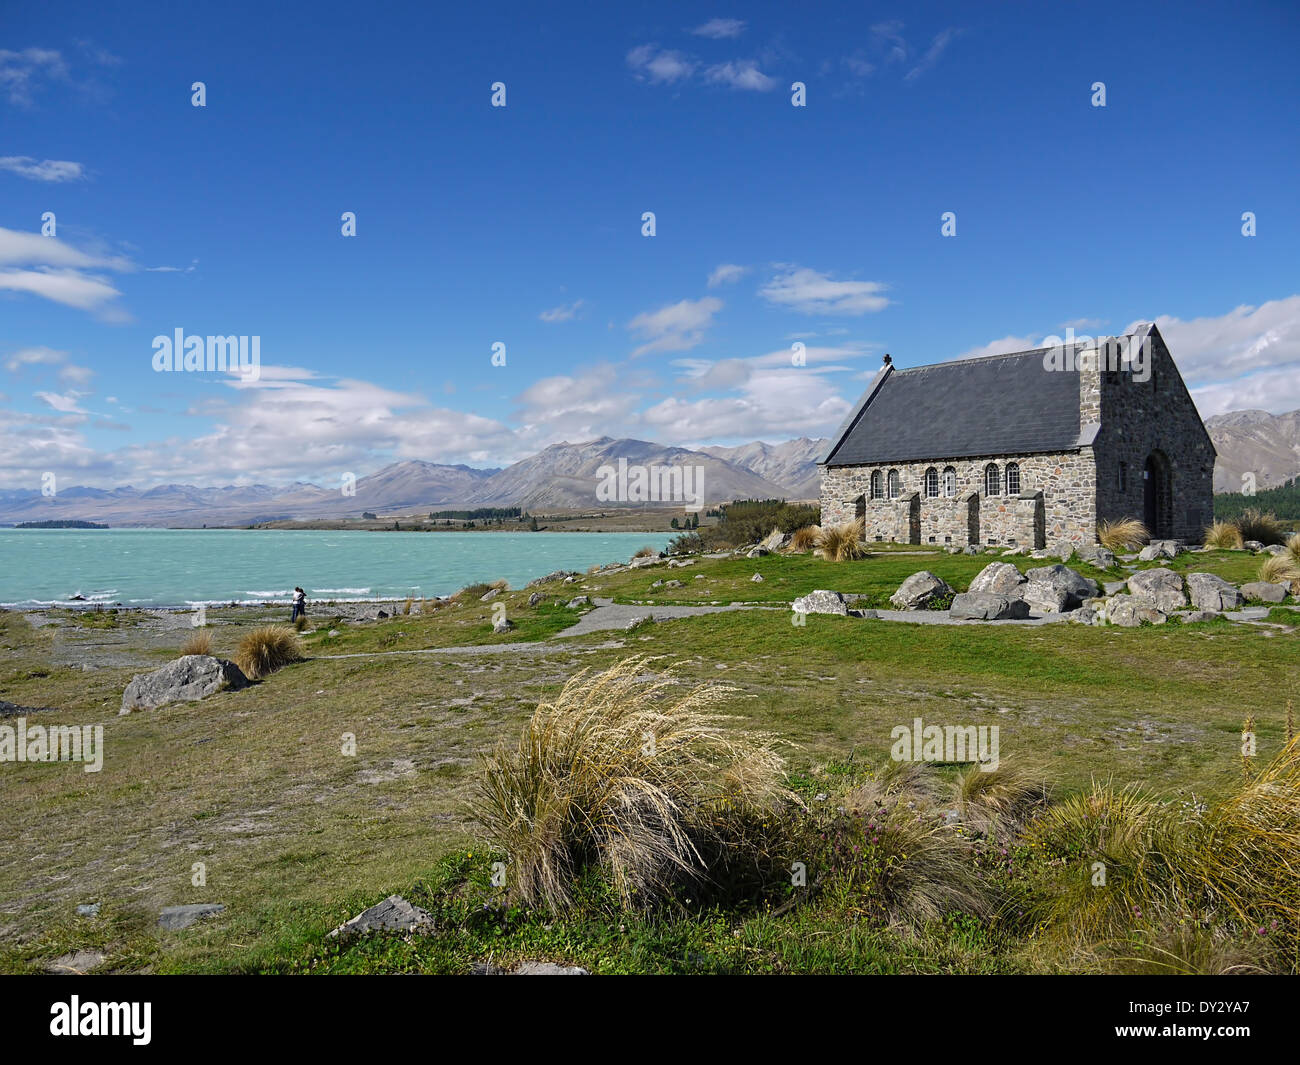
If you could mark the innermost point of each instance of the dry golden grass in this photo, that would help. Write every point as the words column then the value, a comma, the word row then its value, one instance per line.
column 633, row 778
column 1279, row 569
column 1293, row 548
column 842, row 543
column 266, row 649
column 1224, row 535
column 1122, row 534
column 805, row 539
column 197, row 643
column 646, row 552
column 997, row 803
column 1256, row 524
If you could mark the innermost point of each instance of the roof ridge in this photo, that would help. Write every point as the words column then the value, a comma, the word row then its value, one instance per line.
column 1026, row 351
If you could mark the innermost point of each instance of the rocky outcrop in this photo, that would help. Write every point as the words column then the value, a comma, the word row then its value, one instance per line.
column 987, row 606
column 188, row 679
column 1209, row 591
column 919, row 590
column 820, row 602
column 1000, row 578
column 1065, row 582
column 1264, row 591
column 1129, row 612
column 1096, row 555
column 1158, row 589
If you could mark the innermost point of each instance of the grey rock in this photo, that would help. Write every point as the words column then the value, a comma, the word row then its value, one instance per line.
column 89, row 909
column 1077, row 587
column 535, row 598
column 641, row 622
column 1160, row 589
column 972, row 549
column 1091, row 613
column 1265, row 591
column 1161, row 549
column 645, row 560
column 1274, row 549
column 1041, row 554
column 1044, row 598
column 1254, row 546
column 1190, row 617
column 1114, row 587
column 558, row 575
column 189, row 678
column 775, row 540
column 1129, row 612
column 987, row 606
column 757, row 552
column 394, row 914
column 502, row 625
column 1249, row 613
column 549, row 968
column 918, row 590
column 381, row 615
column 1096, row 555
column 820, row 602
column 332, row 632
column 757, row 578
column 1064, row 551
column 1209, row 591
column 489, row 595
column 174, row 918
column 75, row 963
column 579, row 600
column 1001, row 578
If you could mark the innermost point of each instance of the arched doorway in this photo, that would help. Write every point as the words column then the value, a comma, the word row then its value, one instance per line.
column 1157, row 496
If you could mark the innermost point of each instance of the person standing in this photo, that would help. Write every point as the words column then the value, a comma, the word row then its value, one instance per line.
column 299, row 604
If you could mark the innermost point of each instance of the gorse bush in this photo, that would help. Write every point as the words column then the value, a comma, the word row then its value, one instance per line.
column 266, row 649
column 1122, row 534
column 636, row 781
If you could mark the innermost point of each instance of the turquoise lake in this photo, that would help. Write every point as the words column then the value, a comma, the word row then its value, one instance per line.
column 180, row 567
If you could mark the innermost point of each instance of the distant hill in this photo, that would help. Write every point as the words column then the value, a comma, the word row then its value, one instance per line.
column 1254, row 441
column 792, row 464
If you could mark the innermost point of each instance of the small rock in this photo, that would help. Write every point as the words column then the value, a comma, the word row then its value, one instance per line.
column 381, row 615
column 1254, row 546
column 489, row 595
column 88, row 910
column 579, row 600
column 502, row 625
column 1190, row 617
column 918, row 590
column 535, row 598
column 757, row 578
column 394, row 914
column 820, row 602
column 174, row 918
column 1209, row 591
column 332, row 632
column 548, row 968
column 75, row 963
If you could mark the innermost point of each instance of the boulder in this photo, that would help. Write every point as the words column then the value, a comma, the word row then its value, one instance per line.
column 1265, row 591
column 972, row 549
column 502, row 625
column 1092, row 612
column 1044, row 598
column 1254, row 546
column 535, row 598
column 644, row 560
column 1063, row 550
column 394, row 914
column 1114, row 587
column 1209, row 591
column 1274, row 549
column 757, row 578
column 1129, row 612
column 1191, row 617
column 1001, row 578
column 189, row 678
column 775, row 540
column 757, row 552
column 1096, row 555
column 174, row 918
column 579, row 600
column 489, row 595
column 1077, row 588
column 987, row 606
column 918, row 590
column 1161, row 549
column 820, row 602
column 1160, row 589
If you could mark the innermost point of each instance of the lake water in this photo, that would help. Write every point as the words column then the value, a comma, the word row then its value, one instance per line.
column 180, row 567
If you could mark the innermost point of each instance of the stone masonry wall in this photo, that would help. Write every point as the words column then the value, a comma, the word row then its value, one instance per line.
column 1063, row 484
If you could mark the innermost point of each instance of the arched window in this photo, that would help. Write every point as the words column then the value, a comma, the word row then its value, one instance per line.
column 875, row 485
column 895, row 485
column 992, row 482
column 1013, row 478
column 949, row 482
column 931, row 483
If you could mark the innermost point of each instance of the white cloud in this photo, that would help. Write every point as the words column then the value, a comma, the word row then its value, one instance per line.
column 21, row 73
column 660, row 67
column 50, row 268
column 564, row 313
column 726, row 273
column 37, row 356
column 1004, row 346
column 675, row 327
column 931, row 57
column 810, row 292
column 67, row 403
column 740, row 74
column 53, row 170
column 76, row 375
column 720, row 28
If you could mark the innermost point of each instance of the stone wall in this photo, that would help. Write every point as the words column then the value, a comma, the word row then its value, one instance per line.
column 1057, row 494
column 1142, row 417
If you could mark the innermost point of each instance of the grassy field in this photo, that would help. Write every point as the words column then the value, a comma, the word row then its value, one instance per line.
column 295, row 835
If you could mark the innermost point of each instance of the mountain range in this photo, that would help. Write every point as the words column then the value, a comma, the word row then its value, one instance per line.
column 565, row 476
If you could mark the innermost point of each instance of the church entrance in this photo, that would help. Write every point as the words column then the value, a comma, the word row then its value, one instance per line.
column 1157, row 501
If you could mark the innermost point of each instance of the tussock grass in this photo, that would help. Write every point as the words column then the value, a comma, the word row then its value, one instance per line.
column 1293, row 548
column 1256, row 524
column 1279, row 569
column 633, row 779
column 500, row 584
column 1000, row 802
column 842, row 543
column 1223, row 535
column 299, row 623
column 646, row 552
column 806, row 538
column 267, row 649
column 198, row 642
column 1122, row 534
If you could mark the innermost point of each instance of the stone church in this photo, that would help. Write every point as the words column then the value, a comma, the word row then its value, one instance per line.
column 1026, row 449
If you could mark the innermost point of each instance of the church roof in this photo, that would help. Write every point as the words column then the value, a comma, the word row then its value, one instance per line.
column 992, row 405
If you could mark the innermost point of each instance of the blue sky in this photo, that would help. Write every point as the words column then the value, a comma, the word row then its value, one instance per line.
column 523, row 224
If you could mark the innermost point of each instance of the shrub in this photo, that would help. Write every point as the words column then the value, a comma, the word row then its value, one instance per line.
column 646, row 552
column 197, row 643
column 1255, row 524
column 805, row 539
column 266, row 649
column 1224, row 535
column 626, row 779
column 688, row 543
column 1122, row 534
column 841, row 543
column 999, row 802
column 473, row 591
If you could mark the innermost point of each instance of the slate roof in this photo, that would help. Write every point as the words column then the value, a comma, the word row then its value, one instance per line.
column 992, row 405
